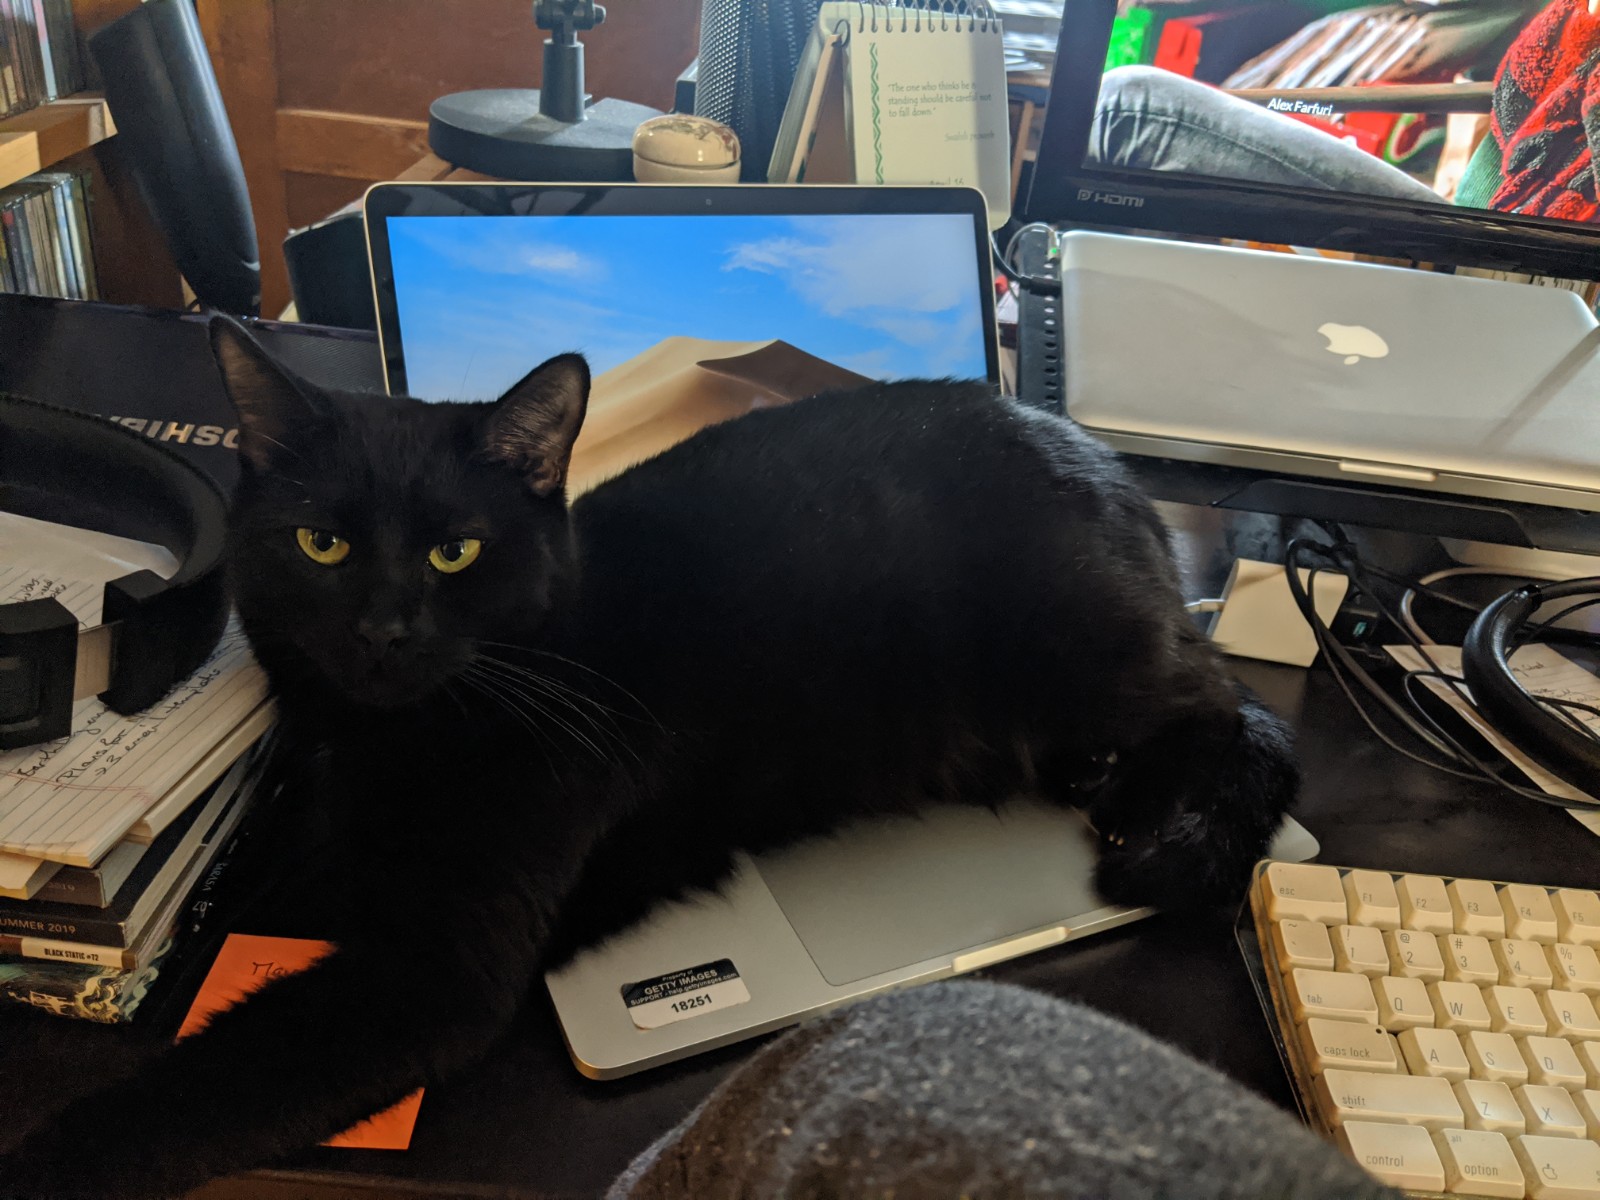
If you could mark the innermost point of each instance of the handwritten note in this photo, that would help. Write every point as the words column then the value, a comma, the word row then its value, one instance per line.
column 247, row 962
column 1542, row 671
column 70, row 800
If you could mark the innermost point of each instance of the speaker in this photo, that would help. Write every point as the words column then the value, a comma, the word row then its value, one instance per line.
column 174, row 133
column 328, row 272
column 748, row 53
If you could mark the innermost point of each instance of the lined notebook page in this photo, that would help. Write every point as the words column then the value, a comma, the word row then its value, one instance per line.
column 71, row 800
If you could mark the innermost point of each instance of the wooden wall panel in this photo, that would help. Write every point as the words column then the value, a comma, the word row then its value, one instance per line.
column 347, row 145
column 392, row 58
column 312, row 197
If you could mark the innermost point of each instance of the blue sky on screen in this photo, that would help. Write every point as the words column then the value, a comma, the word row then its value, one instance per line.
column 482, row 300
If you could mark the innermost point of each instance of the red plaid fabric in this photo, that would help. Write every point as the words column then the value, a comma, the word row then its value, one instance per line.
column 1546, row 116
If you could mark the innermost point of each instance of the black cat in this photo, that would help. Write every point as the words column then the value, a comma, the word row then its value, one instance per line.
column 861, row 602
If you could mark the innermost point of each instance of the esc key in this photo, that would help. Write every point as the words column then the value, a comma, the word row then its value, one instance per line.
column 1304, row 892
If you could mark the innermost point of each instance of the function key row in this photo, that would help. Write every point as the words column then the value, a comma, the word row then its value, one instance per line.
column 1475, row 907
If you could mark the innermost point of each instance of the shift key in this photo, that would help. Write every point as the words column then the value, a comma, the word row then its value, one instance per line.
column 1336, row 994
column 1427, row 1101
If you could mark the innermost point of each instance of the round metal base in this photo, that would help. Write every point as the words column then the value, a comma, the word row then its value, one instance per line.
column 501, row 132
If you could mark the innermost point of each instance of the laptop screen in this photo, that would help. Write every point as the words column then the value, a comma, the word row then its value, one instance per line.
column 478, row 301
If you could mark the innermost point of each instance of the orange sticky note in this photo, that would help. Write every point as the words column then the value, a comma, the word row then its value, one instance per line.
column 245, row 963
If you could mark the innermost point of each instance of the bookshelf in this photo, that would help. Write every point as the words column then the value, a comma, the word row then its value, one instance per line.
column 42, row 137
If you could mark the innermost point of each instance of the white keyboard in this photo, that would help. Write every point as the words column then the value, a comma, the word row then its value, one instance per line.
column 1442, row 1031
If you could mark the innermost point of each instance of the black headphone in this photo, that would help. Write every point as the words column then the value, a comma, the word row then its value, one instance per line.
column 155, row 632
column 1554, row 742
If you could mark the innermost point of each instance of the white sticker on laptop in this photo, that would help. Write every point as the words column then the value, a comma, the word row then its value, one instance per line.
column 653, row 1003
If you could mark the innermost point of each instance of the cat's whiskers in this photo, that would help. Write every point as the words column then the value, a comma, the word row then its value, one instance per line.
column 518, row 678
column 542, row 739
column 267, row 437
column 459, row 702
column 600, row 675
column 510, row 693
column 488, row 687
column 547, row 687
column 572, row 695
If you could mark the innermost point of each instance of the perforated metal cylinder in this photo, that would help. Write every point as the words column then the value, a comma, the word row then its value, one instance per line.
column 748, row 52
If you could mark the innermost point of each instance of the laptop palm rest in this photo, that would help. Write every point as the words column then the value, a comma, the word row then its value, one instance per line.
column 880, row 904
column 887, row 894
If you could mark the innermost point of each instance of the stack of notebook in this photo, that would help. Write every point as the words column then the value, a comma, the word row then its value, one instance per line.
column 106, row 835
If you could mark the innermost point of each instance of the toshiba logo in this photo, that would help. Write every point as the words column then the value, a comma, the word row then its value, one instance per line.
column 1115, row 199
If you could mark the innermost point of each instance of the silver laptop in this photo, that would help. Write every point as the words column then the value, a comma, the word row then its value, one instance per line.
column 695, row 304
column 1334, row 369
column 880, row 905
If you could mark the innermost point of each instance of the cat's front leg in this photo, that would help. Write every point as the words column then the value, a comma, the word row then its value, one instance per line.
column 302, row 1059
column 1186, row 812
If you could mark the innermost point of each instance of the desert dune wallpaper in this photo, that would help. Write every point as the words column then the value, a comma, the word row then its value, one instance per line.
column 685, row 320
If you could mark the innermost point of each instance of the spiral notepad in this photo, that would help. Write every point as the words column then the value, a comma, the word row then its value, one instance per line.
column 900, row 93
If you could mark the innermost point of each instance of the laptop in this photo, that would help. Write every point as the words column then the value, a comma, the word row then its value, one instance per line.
column 475, row 284
column 1334, row 369
column 878, row 905
column 694, row 304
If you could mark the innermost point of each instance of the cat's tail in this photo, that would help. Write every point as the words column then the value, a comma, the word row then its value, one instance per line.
column 1189, row 810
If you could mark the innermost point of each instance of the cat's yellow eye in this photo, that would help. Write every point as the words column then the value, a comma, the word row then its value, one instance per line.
column 321, row 546
column 458, row 555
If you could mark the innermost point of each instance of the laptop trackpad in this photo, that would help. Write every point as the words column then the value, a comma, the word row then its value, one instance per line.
column 882, row 895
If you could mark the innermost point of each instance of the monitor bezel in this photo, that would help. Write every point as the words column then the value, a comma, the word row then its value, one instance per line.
column 467, row 200
column 1063, row 190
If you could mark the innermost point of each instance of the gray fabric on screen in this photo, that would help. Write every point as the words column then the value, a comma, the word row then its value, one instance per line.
column 986, row 1091
column 1153, row 120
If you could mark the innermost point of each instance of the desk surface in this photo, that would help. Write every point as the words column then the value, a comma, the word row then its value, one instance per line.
column 526, row 1124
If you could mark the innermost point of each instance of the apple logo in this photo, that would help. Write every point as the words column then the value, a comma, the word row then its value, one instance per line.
column 1354, row 342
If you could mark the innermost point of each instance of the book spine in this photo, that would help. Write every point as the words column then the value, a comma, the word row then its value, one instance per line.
column 27, row 245
column 10, row 94
column 94, row 929
column 28, row 52
column 80, row 229
column 47, row 62
column 84, row 887
column 51, row 950
column 84, row 992
column 61, row 199
column 8, row 274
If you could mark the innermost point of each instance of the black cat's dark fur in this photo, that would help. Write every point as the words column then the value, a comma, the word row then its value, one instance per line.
column 863, row 602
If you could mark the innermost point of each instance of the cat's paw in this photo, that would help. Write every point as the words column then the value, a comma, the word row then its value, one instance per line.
column 1189, row 814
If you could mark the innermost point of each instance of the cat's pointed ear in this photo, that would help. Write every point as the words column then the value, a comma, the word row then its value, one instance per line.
column 532, row 427
column 271, row 403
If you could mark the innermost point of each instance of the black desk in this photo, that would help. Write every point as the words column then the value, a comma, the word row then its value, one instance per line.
column 524, row 1123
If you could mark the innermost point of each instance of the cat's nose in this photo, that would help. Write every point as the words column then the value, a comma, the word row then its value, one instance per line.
column 383, row 635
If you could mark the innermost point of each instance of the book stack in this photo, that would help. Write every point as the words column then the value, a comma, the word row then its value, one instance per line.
column 108, row 835
column 40, row 59
column 44, row 236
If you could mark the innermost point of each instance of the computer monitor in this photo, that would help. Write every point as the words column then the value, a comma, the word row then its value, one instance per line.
column 1327, row 125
